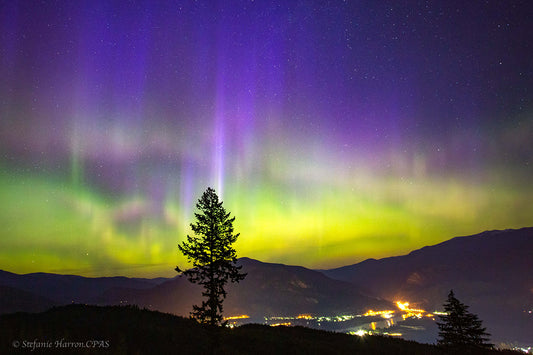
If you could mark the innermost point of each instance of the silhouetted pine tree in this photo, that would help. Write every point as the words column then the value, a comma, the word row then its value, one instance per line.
column 460, row 327
column 212, row 255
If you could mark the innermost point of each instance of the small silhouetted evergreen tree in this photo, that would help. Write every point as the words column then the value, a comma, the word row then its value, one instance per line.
column 459, row 327
column 212, row 255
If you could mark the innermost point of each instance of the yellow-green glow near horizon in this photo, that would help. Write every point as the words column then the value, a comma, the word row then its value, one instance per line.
column 79, row 232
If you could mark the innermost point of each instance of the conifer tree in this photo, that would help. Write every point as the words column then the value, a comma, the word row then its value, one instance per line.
column 212, row 255
column 459, row 327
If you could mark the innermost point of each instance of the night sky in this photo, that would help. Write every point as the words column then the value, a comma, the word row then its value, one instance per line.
column 334, row 131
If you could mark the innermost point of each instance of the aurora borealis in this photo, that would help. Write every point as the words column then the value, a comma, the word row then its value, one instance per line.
column 334, row 131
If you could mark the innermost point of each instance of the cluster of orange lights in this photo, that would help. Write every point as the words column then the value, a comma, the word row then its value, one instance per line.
column 287, row 324
column 404, row 308
column 243, row 316
column 304, row 316
column 371, row 313
column 411, row 312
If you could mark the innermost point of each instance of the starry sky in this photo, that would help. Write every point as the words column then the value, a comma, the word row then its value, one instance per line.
column 334, row 131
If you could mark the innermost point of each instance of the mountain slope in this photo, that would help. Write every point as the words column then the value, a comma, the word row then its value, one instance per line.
column 277, row 289
column 64, row 289
column 268, row 290
column 490, row 271
column 15, row 300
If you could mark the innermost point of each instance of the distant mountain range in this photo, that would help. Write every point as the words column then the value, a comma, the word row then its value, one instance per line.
column 39, row 291
column 276, row 289
column 268, row 290
column 491, row 271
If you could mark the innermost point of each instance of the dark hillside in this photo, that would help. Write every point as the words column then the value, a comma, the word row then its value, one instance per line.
column 66, row 289
column 490, row 271
column 15, row 300
column 129, row 330
column 268, row 290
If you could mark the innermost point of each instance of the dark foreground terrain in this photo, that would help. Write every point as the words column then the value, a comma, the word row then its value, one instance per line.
column 80, row 329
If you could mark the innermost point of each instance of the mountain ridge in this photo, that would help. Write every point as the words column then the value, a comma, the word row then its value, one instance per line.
column 429, row 247
column 490, row 271
column 269, row 289
column 485, row 269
